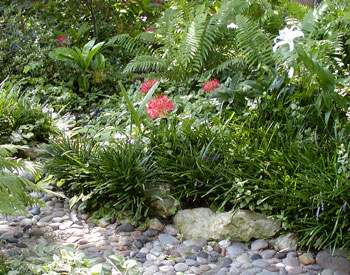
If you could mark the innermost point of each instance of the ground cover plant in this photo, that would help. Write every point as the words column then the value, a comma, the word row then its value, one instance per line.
column 223, row 104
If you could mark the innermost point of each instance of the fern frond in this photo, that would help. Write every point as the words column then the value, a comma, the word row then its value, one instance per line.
column 233, row 63
column 145, row 63
column 253, row 43
column 132, row 45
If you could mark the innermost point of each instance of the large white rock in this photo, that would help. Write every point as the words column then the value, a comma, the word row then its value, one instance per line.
column 242, row 225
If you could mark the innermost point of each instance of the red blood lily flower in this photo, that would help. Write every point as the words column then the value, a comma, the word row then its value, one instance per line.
column 210, row 85
column 159, row 106
column 61, row 39
column 147, row 85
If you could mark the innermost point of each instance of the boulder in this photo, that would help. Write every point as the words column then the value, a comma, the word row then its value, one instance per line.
column 337, row 262
column 241, row 225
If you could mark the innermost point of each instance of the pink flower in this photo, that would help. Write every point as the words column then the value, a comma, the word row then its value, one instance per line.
column 210, row 85
column 159, row 106
column 147, row 85
column 61, row 39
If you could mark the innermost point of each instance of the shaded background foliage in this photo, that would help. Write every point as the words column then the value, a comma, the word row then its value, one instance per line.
column 273, row 137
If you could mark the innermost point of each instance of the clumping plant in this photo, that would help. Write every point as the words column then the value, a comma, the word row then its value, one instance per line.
column 147, row 85
column 211, row 85
column 159, row 106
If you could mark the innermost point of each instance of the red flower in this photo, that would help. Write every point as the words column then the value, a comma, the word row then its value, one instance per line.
column 147, row 85
column 150, row 30
column 159, row 106
column 210, row 85
column 158, row 1
column 60, row 40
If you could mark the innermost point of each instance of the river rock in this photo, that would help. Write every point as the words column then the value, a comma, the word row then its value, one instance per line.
column 242, row 225
column 287, row 242
column 337, row 262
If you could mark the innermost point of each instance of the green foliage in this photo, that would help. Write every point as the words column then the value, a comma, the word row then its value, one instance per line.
column 83, row 58
column 21, row 117
column 14, row 190
column 58, row 259
column 117, row 176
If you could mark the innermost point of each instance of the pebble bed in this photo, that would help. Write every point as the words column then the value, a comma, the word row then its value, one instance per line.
column 158, row 250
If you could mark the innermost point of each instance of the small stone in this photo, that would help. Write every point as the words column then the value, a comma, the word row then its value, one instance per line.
column 170, row 230
column 307, row 259
column 126, row 227
column 259, row 244
column 267, row 254
column 21, row 245
column 267, row 273
column 150, row 232
column 35, row 211
column 58, row 205
column 191, row 262
column 151, row 269
column 195, row 270
column 167, row 239
column 255, row 257
column 213, row 258
column 191, row 256
column 203, row 254
column 138, row 244
column 201, row 260
column 156, row 224
column 35, row 232
column 234, row 251
column 12, row 240
column 18, row 235
column 291, row 261
column 167, row 269
column 196, row 248
column 280, row 255
column 181, row 267
column 25, row 222
column 288, row 242
column 143, row 239
column 55, row 226
column 227, row 262
column 224, row 243
column 74, row 217
column 313, row 267
column 260, row 263
column 46, row 219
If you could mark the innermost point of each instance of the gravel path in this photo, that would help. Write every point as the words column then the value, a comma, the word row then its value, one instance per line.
column 158, row 250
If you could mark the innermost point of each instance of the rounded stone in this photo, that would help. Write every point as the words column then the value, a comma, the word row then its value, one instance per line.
column 150, row 232
column 18, row 235
column 260, row 263
column 259, row 244
column 12, row 240
column 35, row 211
column 203, row 254
column 126, row 227
column 255, row 257
column 280, row 255
column 191, row 262
column 170, row 230
column 201, row 260
column 307, row 259
column 227, row 262
column 151, row 257
column 191, row 256
column 213, row 258
column 25, row 222
column 167, row 239
column 313, row 267
column 156, row 224
column 181, row 267
column 234, row 250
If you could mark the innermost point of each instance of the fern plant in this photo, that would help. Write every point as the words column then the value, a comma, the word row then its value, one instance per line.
column 14, row 190
column 186, row 40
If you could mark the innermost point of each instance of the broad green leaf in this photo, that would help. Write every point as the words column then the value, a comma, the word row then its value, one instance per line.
column 64, row 54
column 93, row 51
column 87, row 47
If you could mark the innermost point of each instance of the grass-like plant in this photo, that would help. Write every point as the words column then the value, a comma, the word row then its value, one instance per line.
column 115, row 176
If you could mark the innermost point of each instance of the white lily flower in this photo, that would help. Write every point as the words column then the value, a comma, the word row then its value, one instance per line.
column 287, row 36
